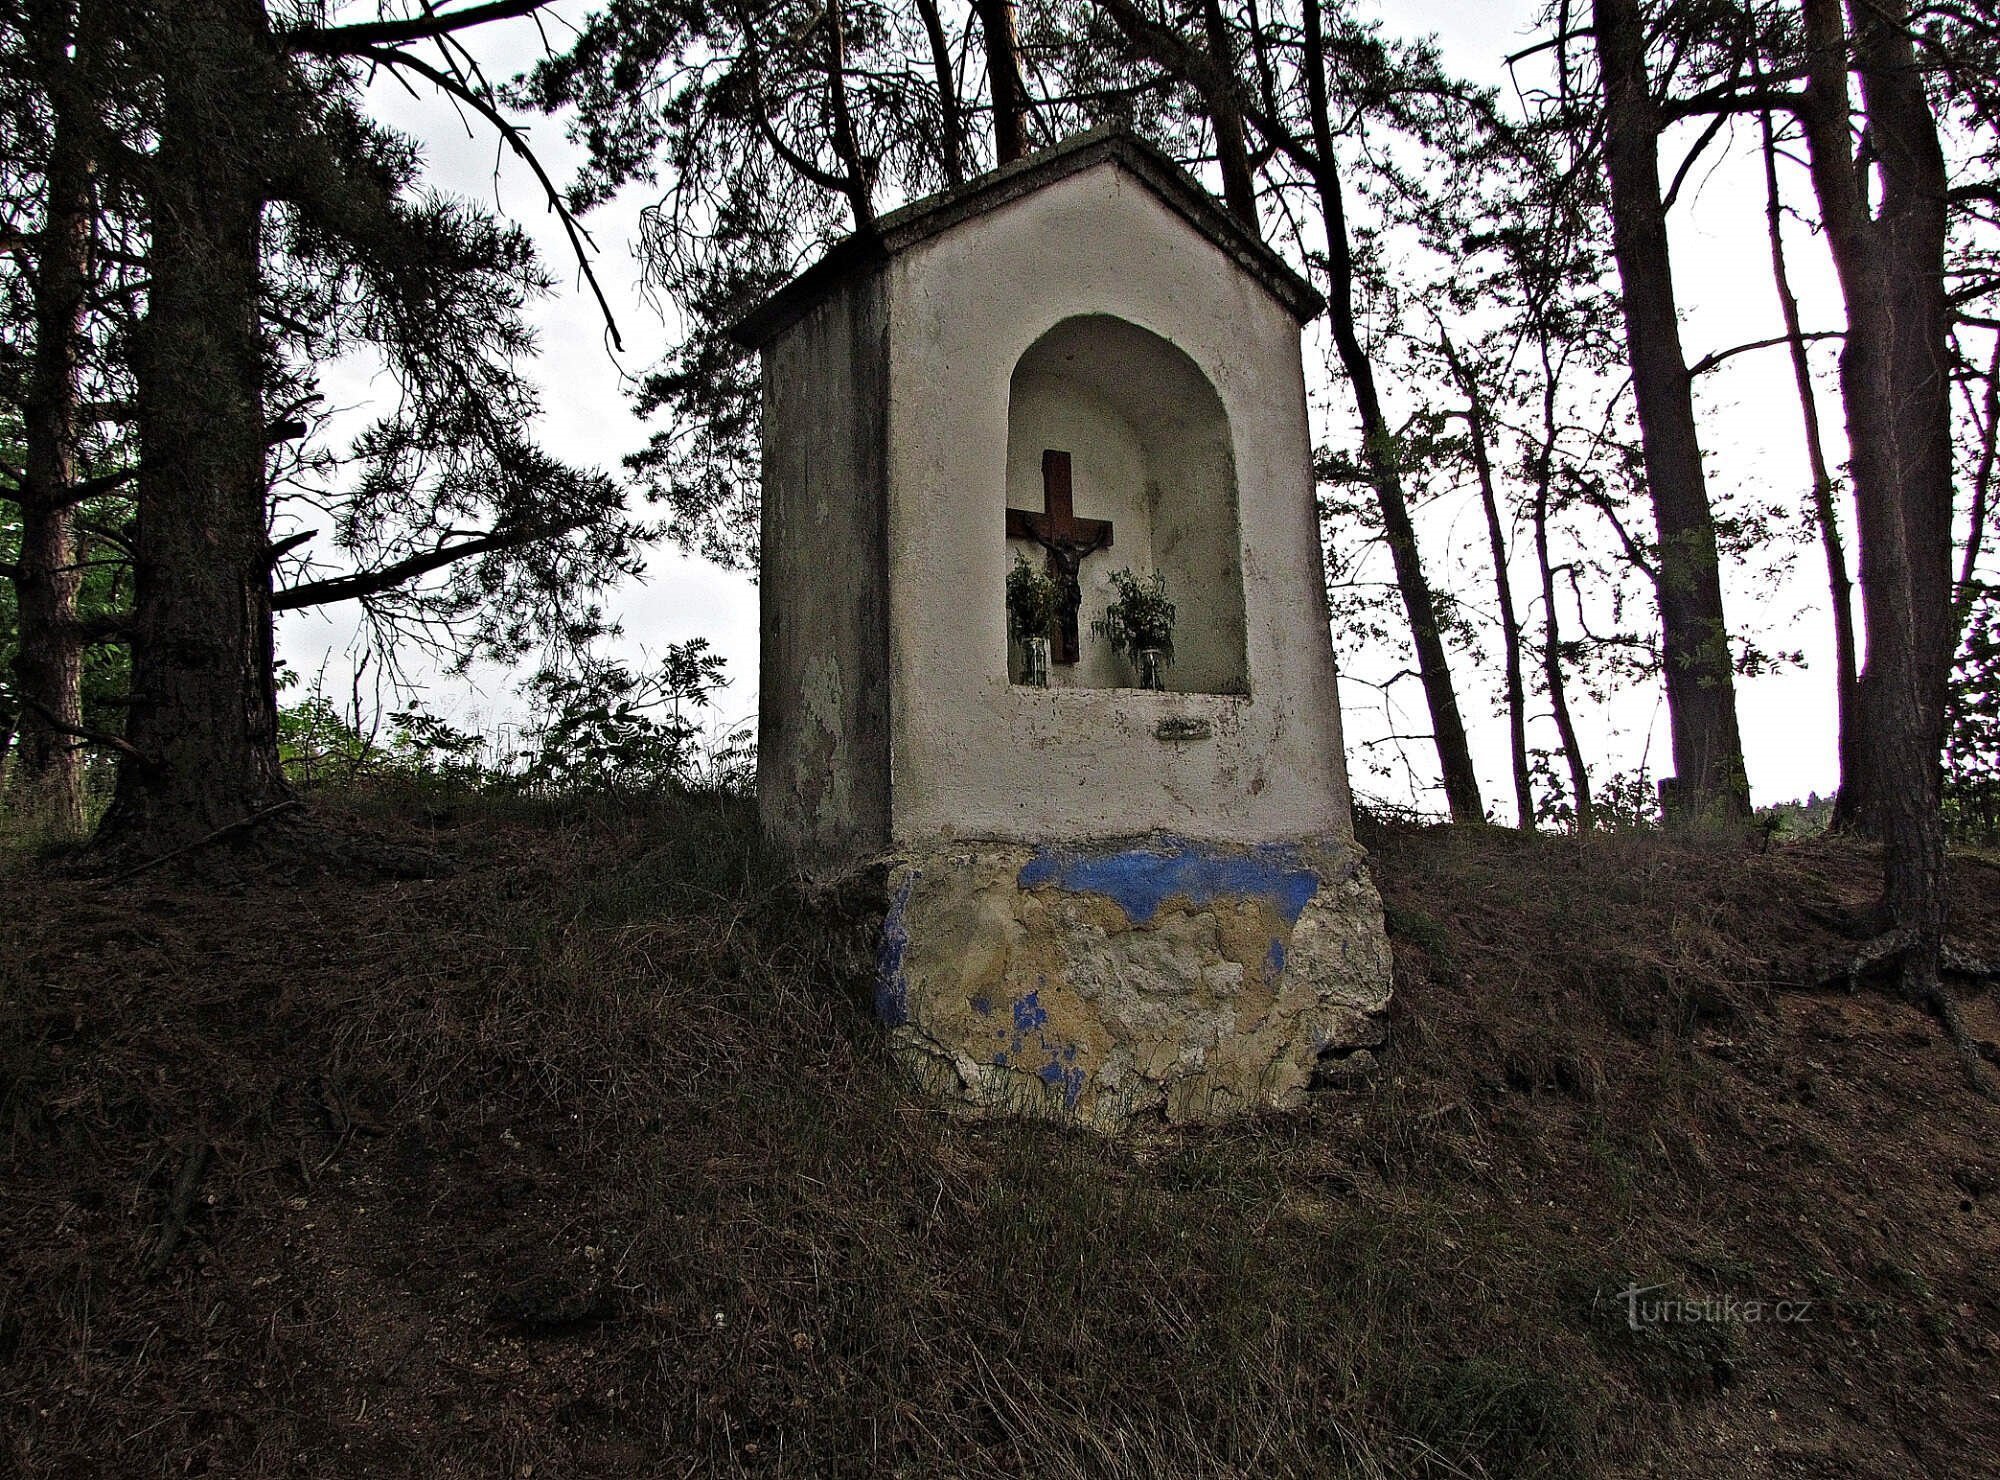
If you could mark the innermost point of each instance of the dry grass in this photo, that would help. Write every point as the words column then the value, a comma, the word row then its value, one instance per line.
column 587, row 1161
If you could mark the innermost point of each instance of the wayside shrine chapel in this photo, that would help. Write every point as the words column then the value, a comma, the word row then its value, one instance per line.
column 1045, row 635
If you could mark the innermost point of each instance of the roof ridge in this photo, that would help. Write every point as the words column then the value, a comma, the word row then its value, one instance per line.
column 931, row 215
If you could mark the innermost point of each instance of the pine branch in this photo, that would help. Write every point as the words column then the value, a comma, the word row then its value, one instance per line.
column 1709, row 362
column 446, row 83
column 389, row 577
column 90, row 488
column 1708, row 136
column 96, row 737
column 355, row 40
column 1733, row 98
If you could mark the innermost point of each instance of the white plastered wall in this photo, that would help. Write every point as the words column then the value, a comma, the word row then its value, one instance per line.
column 973, row 755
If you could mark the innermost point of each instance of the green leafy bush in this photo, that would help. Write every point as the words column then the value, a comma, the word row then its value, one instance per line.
column 1140, row 618
column 1031, row 601
column 603, row 727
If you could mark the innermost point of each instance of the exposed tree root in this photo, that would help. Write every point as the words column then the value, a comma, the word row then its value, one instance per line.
column 1924, row 988
column 1962, row 1042
column 1964, row 963
column 227, row 830
column 282, row 840
column 1884, row 950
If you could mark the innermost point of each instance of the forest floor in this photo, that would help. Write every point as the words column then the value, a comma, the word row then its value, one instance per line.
column 587, row 1160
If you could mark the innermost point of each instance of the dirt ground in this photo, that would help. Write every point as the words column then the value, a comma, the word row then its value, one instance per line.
column 585, row 1159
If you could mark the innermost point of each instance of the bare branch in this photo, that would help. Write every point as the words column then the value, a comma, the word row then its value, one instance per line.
column 1715, row 126
column 578, row 238
column 1709, row 362
column 355, row 40
column 389, row 577
column 1733, row 97
column 96, row 737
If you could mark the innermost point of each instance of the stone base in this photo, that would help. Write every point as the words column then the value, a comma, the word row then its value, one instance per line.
column 1118, row 982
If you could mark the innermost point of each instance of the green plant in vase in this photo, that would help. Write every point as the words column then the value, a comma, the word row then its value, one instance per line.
column 1031, row 612
column 1139, row 625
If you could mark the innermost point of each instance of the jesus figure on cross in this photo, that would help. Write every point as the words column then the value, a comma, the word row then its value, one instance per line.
column 1067, row 539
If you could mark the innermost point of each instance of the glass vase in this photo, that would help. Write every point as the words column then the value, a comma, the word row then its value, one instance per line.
column 1152, row 663
column 1035, row 662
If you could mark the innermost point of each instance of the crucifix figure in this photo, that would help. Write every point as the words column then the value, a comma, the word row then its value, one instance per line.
column 1067, row 539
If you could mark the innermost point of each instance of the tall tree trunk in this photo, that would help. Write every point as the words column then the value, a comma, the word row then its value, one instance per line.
column 1503, row 586
column 1552, row 674
column 1225, row 116
column 846, row 143
column 1003, row 73
column 1840, row 591
column 204, row 710
column 1461, row 782
column 1710, row 784
column 951, row 117
column 1966, row 589
column 48, row 664
column 1896, row 387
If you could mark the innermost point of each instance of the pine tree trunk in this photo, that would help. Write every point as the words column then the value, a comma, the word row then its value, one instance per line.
column 1552, row 674
column 1003, row 73
column 1840, row 590
column 1239, row 184
column 1503, row 586
column 47, row 778
column 1895, row 374
column 1461, row 782
column 1710, row 784
column 204, row 711
column 950, row 117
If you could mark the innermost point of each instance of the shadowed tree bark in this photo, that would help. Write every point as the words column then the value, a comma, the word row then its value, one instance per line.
column 203, row 710
column 1003, row 73
column 1840, row 590
column 1895, row 372
column 47, row 774
column 235, row 124
column 1709, row 783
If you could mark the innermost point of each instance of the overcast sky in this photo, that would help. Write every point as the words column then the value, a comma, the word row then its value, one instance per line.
column 1749, row 412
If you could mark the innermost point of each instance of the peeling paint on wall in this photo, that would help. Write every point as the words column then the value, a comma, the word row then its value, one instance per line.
column 1142, row 879
column 1160, row 977
column 892, row 987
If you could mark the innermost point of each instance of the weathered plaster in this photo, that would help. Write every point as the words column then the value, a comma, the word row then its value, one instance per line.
column 973, row 755
column 1161, row 978
column 1095, row 302
column 823, row 727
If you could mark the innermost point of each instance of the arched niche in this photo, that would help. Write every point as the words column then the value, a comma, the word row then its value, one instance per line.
column 1150, row 451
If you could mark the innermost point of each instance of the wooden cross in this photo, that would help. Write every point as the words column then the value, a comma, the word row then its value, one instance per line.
column 1067, row 539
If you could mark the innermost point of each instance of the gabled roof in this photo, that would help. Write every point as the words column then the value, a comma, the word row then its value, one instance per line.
column 935, row 214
